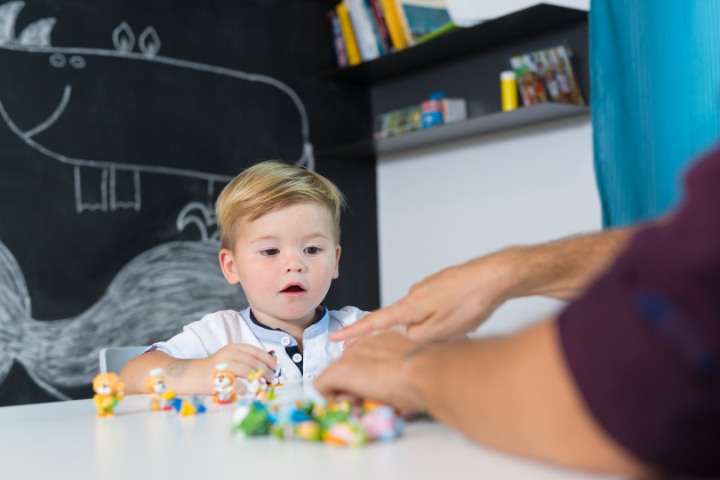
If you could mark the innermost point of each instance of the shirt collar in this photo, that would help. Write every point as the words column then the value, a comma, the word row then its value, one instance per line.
column 275, row 335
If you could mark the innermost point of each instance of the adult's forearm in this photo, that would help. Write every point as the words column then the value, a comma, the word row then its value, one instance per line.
column 564, row 268
column 515, row 394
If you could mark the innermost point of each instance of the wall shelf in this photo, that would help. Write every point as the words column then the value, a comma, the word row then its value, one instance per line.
column 463, row 41
column 465, row 64
column 483, row 125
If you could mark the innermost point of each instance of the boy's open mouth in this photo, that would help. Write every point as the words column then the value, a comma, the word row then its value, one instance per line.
column 293, row 289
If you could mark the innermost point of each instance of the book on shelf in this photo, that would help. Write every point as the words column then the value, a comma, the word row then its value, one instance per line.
column 380, row 25
column 547, row 76
column 436, row 110
column 351, row 47
column 338, row 41
column 364, row 27
column 398, row 122
column 391, row 14
column 423, row 19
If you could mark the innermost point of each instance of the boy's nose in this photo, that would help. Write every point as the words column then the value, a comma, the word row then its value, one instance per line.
column 294, row 266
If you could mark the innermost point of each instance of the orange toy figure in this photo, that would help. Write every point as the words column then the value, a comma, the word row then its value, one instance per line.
column 109, row 390
column 161, row 398
column 224, row 381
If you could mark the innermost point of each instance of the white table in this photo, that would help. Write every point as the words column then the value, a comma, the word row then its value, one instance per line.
column 66, row 440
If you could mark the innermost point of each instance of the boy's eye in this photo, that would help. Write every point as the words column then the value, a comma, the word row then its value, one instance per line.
column 313, row 250
column 270, row 252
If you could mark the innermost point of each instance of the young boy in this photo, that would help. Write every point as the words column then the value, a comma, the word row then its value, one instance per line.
column 279, row 228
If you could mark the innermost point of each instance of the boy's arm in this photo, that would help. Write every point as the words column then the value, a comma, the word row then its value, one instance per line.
column 184, row 376
column 194, row 376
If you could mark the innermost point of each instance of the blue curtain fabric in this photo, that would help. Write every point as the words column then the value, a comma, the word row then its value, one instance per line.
column 655, row 79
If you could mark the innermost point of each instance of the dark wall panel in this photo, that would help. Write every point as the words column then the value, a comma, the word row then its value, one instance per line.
column 120, row 123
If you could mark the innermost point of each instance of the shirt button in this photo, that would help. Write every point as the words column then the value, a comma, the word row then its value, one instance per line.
column 285, row 341
column 297, row 358
column 309, row 376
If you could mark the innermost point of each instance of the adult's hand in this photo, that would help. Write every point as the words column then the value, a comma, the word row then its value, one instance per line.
column 453, row 301
column 374, row 368
column 459, row 299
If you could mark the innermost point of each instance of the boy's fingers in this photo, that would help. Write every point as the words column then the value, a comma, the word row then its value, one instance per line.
column 258, row 354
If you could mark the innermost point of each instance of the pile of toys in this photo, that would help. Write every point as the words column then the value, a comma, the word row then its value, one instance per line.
column 259, row 413
column 339, row 423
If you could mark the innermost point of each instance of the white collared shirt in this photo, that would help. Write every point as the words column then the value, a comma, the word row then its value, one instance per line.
column 208, row 335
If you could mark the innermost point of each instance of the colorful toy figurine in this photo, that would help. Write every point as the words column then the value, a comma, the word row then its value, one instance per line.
column 257, row 386
column 380, row 422
column 253, row 419
column 277, row 373
column 224, row 381
column 161, row 398
column 109, row 390
column 190, row 405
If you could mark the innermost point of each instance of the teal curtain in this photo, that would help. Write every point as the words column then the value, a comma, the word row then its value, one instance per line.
column 655, row 80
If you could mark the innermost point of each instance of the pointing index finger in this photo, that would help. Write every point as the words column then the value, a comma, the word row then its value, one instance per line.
column 377, row 320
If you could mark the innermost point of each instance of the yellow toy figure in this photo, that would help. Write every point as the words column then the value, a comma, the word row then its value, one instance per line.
column 109, row 390
column 161, row 397
column 224, row 381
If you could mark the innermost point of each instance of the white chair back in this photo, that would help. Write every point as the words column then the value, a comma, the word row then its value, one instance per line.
column 113, row 359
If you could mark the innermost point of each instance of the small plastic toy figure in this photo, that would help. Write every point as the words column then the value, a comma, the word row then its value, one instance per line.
column 257, row 385
column 191, row 405
column 109, row 390
column 224, row 381
column 380, row 422
column 277, row 373
column 254, row 419
column 162, row 398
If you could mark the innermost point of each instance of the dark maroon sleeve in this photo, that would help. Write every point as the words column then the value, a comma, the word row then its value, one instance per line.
column 643, row 343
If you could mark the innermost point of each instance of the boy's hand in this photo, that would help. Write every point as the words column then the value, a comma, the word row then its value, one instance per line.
column 241, row 359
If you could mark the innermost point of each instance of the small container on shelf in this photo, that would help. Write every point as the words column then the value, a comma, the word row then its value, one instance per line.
column 508, row 90
column 438, row 110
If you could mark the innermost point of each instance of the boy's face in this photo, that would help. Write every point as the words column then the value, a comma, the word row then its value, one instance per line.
column 285, row 262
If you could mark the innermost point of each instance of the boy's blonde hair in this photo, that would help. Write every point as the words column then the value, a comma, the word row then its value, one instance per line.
column 270, row 185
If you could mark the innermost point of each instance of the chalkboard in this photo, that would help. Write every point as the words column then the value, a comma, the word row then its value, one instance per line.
column 120, row 122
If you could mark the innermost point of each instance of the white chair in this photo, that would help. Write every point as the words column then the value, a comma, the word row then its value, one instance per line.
column 113, row 359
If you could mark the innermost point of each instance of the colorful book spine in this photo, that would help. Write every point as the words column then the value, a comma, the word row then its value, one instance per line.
column 409, row 40
column 392, row 21
column 338, row 41
column 381, row 27
column 363, row 27
column 351, row 47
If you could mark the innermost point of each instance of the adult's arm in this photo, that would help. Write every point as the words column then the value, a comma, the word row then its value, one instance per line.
column 641, row 347
column 512, row 393
column 458, row 299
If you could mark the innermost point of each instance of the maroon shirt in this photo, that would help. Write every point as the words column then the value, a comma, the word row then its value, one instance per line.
column 643, row 343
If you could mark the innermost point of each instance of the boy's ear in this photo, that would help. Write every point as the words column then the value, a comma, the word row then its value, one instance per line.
column 227, row 265
column 336, row 273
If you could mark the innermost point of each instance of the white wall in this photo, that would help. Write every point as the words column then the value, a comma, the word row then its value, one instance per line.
column 469, row 12
column 446, row 204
